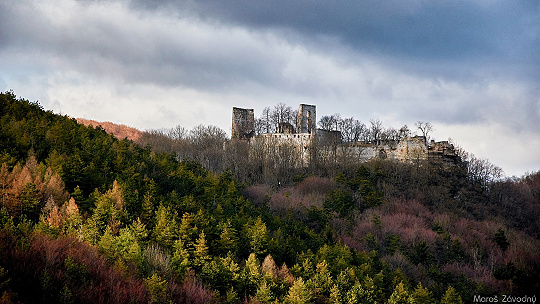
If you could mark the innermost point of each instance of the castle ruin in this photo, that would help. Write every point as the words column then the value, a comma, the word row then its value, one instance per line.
column 300, row 141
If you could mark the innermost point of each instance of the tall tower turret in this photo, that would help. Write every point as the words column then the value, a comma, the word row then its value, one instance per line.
column 306, row 122
column 243, row 123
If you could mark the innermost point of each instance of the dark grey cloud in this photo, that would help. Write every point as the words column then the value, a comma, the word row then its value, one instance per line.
column 137, row 48
column 431, row 30
column 450, row 39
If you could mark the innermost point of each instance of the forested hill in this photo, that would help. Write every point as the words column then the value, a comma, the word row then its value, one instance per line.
column 86, row 217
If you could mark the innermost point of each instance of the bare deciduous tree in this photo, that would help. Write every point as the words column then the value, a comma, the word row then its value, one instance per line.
column 376, row 130
column 325, row 123
column 346, row 127
column 264, row 123
column 360, row 131
column 330, row 123
column 479, row 169
column 283, row 114
column 404, row 132
column 425, row 128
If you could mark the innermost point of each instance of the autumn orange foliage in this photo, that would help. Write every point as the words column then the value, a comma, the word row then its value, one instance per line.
column 118, row 130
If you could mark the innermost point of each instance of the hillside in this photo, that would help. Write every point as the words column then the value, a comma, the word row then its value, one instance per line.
column 119, row 131
column 87, row 217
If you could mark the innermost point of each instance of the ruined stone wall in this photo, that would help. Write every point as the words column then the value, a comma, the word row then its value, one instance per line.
column 410, row 149
column 306, row 121
column 282, row 147
column 327, row 137
column 286, row 128
column 243, row 123
column 294, row 148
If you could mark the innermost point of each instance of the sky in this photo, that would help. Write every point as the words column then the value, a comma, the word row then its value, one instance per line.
column 469, row 67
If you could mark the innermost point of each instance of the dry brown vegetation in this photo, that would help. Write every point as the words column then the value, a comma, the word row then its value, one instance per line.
column 80, row 273
column 118, row 130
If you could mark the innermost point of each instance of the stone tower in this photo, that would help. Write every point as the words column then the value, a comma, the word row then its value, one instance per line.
column 306, row 122
column 243, row 123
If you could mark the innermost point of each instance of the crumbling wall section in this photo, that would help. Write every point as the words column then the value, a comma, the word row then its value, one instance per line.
column 243, row 123
column 283, row 148
column 411, row 149
column 328, row 137
column 285, row 128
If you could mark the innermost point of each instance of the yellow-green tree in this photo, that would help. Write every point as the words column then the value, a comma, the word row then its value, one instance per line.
column 264, row 293
column 139, row 230
column 200, row 252
column 422, row 295
column 451, row 297
column 157, row 287
column 361, row 293
column 322, row 280
column 251, row 273
column 258, row 237
column 228, row 239
column 299, row 293
column 180, row 261
column 335, row 295
column 165, row 229
column 400, row 295
column 127, row 247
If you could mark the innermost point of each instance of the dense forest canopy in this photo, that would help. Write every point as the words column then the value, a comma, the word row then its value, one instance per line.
column 86, row 217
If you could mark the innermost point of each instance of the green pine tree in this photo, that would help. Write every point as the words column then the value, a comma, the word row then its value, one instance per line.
column 106, row 244
column 501, row 240
column 451, row 297
column 322, row 280
column 30, row 200
column 139, row 230
column 299, row 293
column 127, row 247
column 187, row 231
column 147, row 209
column 164, row 231
column 157, row 288
column 335, row 295
column 361, row 293
column 264, row 293
column 258, row 237
column 252, row 273
column 400, row 295
column 228, row 239
column 200, row 253
column 422, row 295
column 180, row 261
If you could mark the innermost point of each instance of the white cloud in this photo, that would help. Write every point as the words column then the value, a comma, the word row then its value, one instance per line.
column 516, row 153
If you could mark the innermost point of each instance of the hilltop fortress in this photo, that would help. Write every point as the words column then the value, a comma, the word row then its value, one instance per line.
column 304, row 141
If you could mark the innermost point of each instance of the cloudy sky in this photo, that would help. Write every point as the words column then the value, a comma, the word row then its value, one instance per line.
column 470, row 67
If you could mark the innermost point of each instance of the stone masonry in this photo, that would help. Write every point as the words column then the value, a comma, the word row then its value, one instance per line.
column 306, row 122
column 243, row 123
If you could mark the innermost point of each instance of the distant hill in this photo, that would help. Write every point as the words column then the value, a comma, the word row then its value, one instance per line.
column 118, row 130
